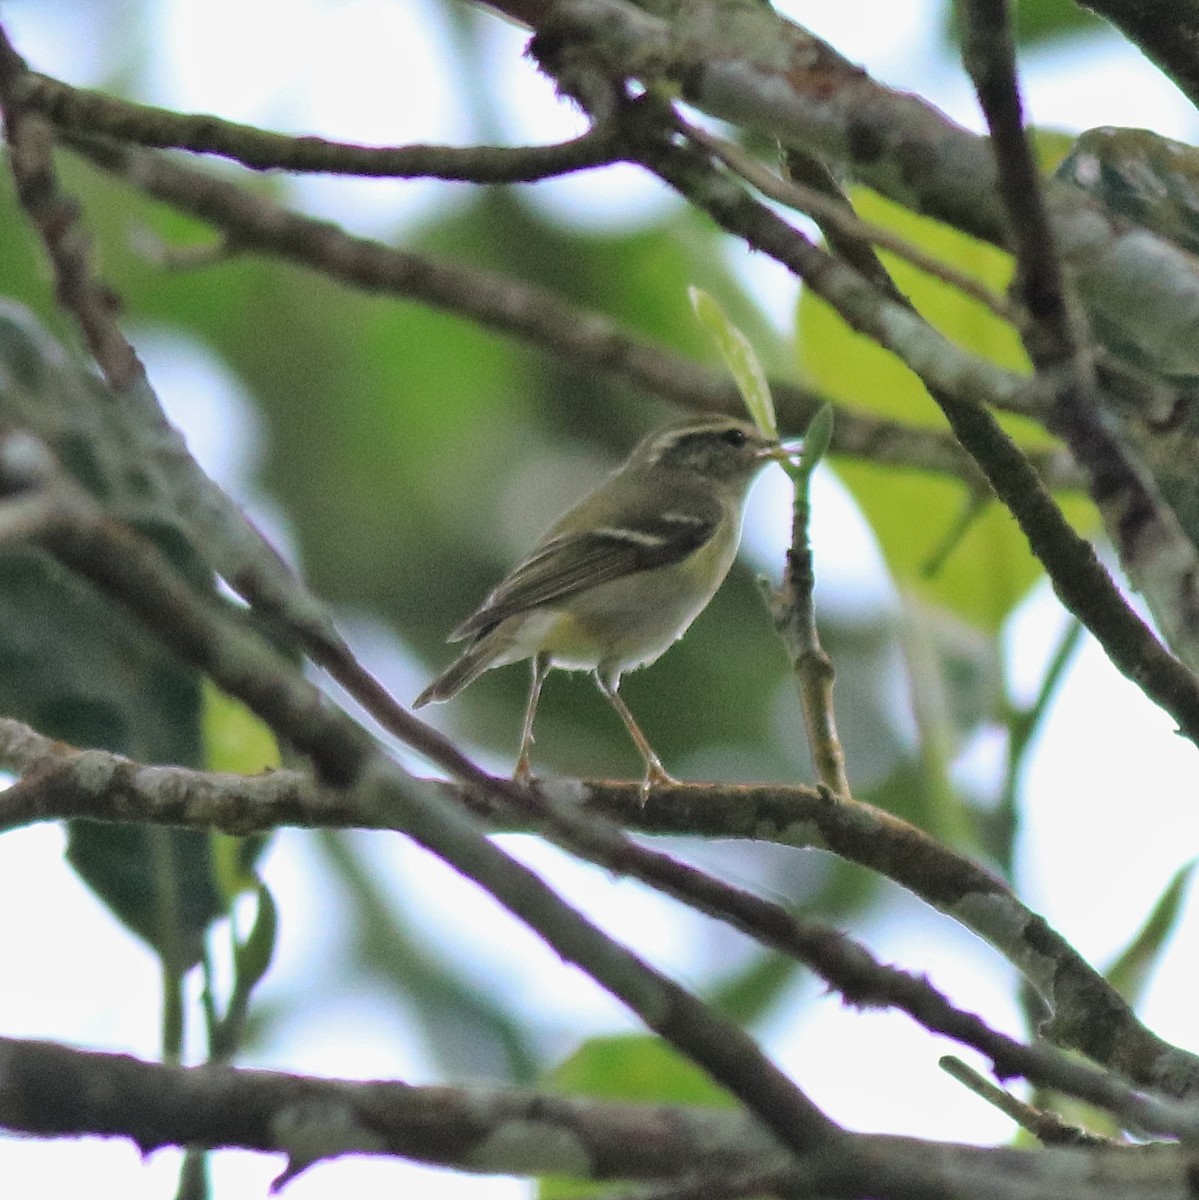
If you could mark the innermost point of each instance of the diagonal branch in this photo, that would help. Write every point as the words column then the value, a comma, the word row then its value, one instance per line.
column 1167, row 31
column 125, row 566
column 60, row 782
column 1153, row 546
column 746, row 64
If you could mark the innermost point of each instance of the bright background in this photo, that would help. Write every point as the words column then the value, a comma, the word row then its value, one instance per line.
column 1108, row 801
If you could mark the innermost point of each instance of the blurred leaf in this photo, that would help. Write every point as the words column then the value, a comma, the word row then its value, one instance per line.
column 253, row 956
column 955, row 685
column 79, row 668
column 1038, row 21
column 753, row 991
column 739, row 358
column 989, row 567
column 635, row 1066
column 1130, row 973
column 235, row 740
column 251, row 960
column 817, row 437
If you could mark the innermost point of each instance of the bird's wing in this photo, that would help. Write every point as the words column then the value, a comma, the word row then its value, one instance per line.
column 568, row 563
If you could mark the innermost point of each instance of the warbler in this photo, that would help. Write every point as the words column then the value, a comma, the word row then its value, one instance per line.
column 622, row 574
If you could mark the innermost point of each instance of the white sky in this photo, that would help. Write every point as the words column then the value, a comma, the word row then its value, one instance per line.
column 346, row 70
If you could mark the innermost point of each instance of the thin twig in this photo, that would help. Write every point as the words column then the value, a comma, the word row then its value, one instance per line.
column 1046, row 1126
column 794, row 610
column 820, row 207
column 31, row 140
column 89, row 113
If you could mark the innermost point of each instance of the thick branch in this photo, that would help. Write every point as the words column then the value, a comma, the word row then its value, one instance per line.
column 59, row 782
column 48, row 1090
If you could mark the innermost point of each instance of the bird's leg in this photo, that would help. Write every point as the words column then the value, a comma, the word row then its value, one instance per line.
column 541, row 666
column 655, row 773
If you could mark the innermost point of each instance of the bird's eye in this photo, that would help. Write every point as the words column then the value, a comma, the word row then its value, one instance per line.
column 734, row 437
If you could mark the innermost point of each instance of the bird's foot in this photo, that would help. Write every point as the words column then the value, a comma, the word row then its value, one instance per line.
column 656, row 775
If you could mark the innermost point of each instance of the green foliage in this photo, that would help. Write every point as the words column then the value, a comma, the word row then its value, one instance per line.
column 740, row 359
column 990, row 568
column 635, row 1066
column 235, row 740
column 631, row 1067
column 78, row 668
column 1038, row 21
column 1132, row 970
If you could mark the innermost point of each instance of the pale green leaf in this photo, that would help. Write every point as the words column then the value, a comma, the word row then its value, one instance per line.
column 740, row 358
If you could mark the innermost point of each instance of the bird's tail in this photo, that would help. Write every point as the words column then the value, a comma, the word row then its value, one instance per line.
column 479, row 657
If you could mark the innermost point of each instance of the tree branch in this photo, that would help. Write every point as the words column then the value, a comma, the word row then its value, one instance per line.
column 1167, row 31
column 1154, row 549
column 128, row 568
column 84, row 112
column 60, row 782
column 745, row 64
column 48, row 1090
column 511, row 306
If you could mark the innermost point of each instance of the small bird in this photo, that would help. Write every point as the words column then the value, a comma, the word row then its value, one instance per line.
column 622, row 574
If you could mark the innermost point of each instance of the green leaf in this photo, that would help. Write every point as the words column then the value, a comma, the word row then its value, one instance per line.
column 754, row 990
column 1132, row 970
column 817, row 437
column 235, row 740
column 740, row 358
column 635, row 1066
column 79, row 668
column 253, row 956
column 1039, row 21
column 989, row 567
